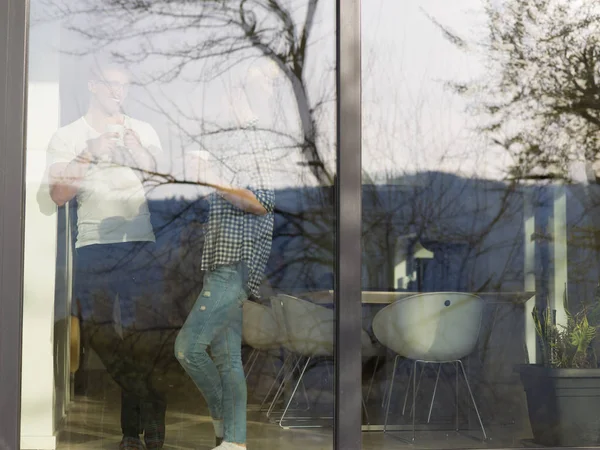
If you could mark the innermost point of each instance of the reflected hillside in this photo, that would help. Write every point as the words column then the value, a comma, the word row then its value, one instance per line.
column 426, row 232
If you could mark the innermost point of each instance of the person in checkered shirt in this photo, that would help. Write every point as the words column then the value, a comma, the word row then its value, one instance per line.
column 236, row 249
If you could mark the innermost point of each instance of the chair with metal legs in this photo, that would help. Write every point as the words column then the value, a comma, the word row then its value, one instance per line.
column 433, row 328
column 309, row 332
column 259, row 331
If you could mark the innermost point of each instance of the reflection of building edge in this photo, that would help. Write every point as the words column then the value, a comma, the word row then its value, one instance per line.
column 423, row 265
column 546, row 264
column 546, row 241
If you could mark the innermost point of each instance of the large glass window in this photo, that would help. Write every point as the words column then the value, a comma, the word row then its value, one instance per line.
column 180, row 249
column 180, row 215
column 479, row 223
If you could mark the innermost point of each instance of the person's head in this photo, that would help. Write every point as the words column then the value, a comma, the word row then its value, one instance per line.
column 108, row 85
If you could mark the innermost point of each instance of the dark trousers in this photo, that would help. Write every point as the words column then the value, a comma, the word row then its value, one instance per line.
column 119, row 291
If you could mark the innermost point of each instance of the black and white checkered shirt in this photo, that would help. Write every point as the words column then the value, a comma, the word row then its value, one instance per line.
column 233, row 235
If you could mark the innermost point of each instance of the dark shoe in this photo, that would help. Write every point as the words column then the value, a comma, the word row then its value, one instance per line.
column 154, row 435
column 218, row 441
column 131, row 443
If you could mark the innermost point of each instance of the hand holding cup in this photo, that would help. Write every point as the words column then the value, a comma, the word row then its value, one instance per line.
column 131, row 140
column 103, row 146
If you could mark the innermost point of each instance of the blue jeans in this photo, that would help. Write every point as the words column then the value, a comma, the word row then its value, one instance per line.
column 216, row 321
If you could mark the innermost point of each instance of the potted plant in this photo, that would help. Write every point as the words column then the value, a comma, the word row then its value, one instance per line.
column 563, row 393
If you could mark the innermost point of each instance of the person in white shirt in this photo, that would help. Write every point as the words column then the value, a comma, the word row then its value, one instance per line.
column 101, row 160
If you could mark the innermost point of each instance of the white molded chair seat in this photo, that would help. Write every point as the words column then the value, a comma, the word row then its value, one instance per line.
column 260, row 329
column 436, row 327
column 309, row 329
column 261, row 332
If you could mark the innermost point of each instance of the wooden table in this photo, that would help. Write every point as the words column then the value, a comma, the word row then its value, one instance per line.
column 387, row 297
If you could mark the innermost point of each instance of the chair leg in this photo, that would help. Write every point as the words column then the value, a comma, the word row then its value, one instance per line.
column 414, row 407
column 364, row 405
column 473, row 399
column 252, row 353
column 279, row 373
column 385, row 393
column 286, row 378
column 456, row 389
column 437, row 379
column 408, row 387
column 293, row 392
column 410, row 377
column 418, row 386
column 389, row 398
column 253, row 357
column 306, row 399
column 384, row 399
column 268, row 357
column 372, row 379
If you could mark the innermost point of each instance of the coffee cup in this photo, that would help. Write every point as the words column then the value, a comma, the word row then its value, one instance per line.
column 119, row 130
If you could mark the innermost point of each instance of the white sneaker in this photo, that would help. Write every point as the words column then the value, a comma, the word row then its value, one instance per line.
column 229, row 446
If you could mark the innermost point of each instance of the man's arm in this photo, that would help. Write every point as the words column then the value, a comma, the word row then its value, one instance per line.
column 65, row 177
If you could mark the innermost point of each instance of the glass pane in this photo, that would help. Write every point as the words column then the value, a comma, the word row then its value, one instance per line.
column 180, row 216
column 480, row 178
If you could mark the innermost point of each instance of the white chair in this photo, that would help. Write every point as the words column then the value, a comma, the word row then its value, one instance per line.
column 431, row 328
column 309, row 331
column 259, row 331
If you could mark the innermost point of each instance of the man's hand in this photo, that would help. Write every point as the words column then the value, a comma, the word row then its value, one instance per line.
column 132, row 140
column 139, row 157
column 103, row 146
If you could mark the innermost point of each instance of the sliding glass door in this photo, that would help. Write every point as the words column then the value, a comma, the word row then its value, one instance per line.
column 181, row 250
column 480, row 232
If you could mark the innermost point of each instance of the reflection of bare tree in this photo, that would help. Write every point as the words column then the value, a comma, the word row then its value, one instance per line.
column 540, row 88
column 195, row 43
column 478, row 217
column 201, row 40
column 219, row 35
column 539, row 100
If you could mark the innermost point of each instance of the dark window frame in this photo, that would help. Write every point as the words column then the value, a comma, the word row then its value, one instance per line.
column 14, row 23
column 348, row 392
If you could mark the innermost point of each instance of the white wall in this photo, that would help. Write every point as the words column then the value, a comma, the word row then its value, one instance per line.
column 38, row 373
